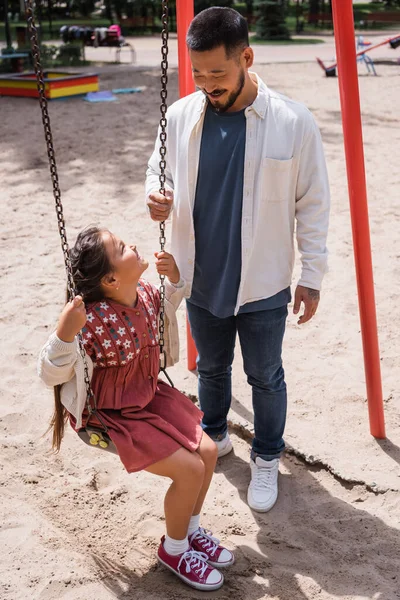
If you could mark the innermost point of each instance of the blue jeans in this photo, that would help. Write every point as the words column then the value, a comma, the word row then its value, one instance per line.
column 261, row 335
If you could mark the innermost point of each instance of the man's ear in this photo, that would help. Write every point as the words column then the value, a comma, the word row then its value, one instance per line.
column 248, row 57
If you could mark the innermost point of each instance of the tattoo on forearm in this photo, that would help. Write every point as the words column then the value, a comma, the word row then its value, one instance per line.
column 313, row 294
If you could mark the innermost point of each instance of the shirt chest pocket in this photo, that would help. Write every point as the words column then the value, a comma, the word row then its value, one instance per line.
column 278, row 180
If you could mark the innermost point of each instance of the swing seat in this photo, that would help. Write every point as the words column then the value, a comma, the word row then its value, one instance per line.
column 96, row 437
column 395, row 43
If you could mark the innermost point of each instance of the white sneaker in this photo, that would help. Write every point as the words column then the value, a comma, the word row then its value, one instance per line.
column 224, row 446
column 263, row 489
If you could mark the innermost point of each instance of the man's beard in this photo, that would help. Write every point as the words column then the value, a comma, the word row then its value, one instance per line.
column 233, row 96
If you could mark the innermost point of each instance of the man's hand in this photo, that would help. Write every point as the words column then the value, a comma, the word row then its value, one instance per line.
column 160, row 206
column 310, row 299
column 166, row 265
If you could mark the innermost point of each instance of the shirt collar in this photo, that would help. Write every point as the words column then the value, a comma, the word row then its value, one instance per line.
column 260, row 104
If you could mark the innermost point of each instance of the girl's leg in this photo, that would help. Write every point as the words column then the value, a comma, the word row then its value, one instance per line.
column 187, row 471
column 209, row 453
column 200, row 539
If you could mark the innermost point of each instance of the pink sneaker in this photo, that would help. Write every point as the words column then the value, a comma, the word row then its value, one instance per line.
column 203, row 541
column 192, row 568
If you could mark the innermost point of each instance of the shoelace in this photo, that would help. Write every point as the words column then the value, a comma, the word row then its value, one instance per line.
column 206, row 539
column 194, row 560
column 264, row 476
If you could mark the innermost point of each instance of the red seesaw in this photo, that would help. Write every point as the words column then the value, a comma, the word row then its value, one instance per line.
column 330, row 71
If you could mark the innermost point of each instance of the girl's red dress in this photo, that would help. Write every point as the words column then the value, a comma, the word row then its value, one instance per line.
column 147, row 419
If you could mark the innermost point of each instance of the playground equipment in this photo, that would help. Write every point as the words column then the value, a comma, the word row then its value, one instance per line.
column 330, row 70
column 95, row 435
column 16, row 60
column 56, row 84
column 364, row 57
column 351, row 116
column 184, row 16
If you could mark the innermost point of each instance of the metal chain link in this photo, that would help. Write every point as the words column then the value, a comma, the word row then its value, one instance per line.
column 41, row 86
column 163, row 165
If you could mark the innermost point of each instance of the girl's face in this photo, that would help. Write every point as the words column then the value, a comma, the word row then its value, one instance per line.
column 127, row 263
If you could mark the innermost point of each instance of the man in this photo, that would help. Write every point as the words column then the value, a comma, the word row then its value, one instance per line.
column 244, row 163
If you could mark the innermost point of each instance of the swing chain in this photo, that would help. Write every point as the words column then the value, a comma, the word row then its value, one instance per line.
column 163, row 165
column 56, row 189
column 90, row 397
column 49, row 142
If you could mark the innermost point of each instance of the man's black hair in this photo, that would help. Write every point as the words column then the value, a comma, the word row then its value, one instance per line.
column 218, row 26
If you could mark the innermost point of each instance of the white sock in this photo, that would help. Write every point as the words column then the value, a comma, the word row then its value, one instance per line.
column 175, row 547
column 194, row 524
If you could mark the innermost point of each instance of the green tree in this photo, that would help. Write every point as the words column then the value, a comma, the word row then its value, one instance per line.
column 81, row 7
column 271, row 23
column 249, row 6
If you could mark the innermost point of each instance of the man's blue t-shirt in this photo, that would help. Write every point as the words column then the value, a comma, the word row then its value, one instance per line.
column 217, row 218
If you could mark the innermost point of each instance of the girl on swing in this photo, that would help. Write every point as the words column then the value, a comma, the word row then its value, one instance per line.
column 153, row 426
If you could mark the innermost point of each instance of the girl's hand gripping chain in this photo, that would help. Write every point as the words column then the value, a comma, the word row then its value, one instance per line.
column 166, row 265
column 72, row 319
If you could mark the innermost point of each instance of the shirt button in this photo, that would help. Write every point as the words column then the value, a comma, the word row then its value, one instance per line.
column 146, row 356
column 149, row 377
column 144, row 335
column 190, row 261
column 137, row 313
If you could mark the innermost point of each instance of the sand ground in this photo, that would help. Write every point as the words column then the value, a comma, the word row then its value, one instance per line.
column 76, row 526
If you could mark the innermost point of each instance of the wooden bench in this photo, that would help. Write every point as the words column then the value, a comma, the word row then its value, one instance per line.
column 113, row 40
column 382, row 17
column 97, row 37
column 318, row 18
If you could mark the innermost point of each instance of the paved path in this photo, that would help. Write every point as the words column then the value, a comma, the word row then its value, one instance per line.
column 148, row 51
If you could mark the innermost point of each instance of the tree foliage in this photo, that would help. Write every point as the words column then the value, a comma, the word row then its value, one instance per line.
column 271, row 20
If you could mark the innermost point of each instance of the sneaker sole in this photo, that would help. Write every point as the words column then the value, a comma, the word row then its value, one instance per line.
column 221, row 565
column 197, row 586
column 225, row 450
column 261, row 509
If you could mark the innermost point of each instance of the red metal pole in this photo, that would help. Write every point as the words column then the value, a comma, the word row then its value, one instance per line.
column 351, row 118
column 184, row 16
